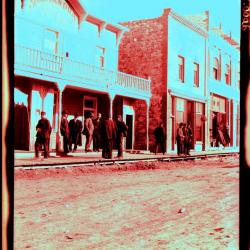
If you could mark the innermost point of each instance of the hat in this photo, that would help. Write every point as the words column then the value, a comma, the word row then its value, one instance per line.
column 65, row 112
column 43, row 113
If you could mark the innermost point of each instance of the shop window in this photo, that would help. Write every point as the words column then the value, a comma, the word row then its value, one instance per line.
column 216, row 69
column 89, row 105
column 181, row 66
column 51, row 41
column 227, row 75
column 180, row 107
column 196, row 75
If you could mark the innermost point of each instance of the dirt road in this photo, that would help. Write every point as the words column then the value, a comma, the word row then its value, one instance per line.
column 188, row 205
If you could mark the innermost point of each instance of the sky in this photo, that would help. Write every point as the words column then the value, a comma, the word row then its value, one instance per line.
column 226, row 12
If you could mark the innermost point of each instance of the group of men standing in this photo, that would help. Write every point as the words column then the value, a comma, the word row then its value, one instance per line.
column 102, row 131
column 184, row 136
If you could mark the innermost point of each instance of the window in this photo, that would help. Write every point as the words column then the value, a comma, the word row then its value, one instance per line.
column 196, row 74
column 51, row 41
column 181, row 68
column 228, row 75
column 100, row 56
column 89, row 105
column 216, row 69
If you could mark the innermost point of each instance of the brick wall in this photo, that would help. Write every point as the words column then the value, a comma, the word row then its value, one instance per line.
column 143, row 52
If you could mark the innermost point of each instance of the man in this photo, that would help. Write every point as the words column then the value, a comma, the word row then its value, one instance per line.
column 180, row 139
column 97, row 133
column 75, row 128
column 188, row 133
column 64, row 129
column 160, row 137
column 108, row 133
column 88, row 131
column 43, row 129
column 122, row 130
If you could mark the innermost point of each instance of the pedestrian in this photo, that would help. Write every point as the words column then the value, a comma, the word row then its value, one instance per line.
column 43, row 129
column 64, row 129
column 88, row 131
column 122, row 131
column 97, row 133
column 180, row 139
column 226, row 134
column 108, row 133
column 75, row 129
column 160, row 137
column 188, row 134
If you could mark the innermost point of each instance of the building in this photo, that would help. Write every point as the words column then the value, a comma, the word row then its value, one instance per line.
column 175, row 52
column 66, row 58
column 223, row 85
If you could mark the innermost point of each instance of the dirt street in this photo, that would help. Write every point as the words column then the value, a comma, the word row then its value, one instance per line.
column 185, row 205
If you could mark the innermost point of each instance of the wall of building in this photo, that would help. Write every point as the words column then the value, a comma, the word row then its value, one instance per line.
column 142, row 52
column 78, row 41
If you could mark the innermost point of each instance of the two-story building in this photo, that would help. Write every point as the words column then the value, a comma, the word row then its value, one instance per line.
column 194, row 73
column 66, row 58
column 171, row 50
column 223, row 85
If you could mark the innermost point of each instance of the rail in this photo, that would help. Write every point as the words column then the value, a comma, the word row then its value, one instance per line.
column 103, row 162
column 42, row 60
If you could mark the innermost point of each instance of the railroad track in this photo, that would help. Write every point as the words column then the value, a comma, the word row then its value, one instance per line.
column 100, row 162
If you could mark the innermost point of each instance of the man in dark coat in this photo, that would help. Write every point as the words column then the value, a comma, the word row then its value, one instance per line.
column 75, row 128
column 64, row 129
column 160, row 137
column 122, row 130
column 43, row 129
column 188, row 134
column 180, row 139
column 97, row 133
column 108, row 133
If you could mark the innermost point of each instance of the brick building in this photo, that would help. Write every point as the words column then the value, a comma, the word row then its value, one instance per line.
column 174, row 52
column 67, row 58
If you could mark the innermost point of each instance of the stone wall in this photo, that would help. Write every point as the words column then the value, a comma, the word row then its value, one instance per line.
column 143, row 52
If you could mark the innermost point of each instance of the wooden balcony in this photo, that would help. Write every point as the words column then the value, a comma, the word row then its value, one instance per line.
column 64, row 68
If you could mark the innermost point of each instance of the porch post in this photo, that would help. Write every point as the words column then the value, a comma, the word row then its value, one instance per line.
column 147, row 124
column 111, row 97
column 61, row 87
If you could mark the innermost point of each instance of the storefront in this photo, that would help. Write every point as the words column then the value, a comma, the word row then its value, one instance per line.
column 221, row 114
column 183, row 111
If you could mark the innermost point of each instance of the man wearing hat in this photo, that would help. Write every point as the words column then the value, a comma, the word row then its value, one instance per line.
column 88, row 131
column 43, row 129
column 64, row 129
column 75, row 129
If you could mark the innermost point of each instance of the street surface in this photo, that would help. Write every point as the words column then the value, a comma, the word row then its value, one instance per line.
column 176, row 205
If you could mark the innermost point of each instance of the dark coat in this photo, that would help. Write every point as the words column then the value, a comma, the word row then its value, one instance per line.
column 122, row 128
column 64, row 127
column 159, row 134
column 75, row 128
column 43, row 129
column 97, row 125
column 108, row 130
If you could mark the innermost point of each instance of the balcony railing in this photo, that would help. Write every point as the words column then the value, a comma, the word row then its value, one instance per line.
column 69, row 68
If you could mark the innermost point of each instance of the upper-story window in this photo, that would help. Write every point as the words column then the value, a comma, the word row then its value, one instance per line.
column 216, row 69
column 196, row 74
column 181, row 68
column 100, row 56
column 51, row 41
column 227, row 74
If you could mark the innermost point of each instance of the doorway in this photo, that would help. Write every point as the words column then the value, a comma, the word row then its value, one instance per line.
column 129, row 138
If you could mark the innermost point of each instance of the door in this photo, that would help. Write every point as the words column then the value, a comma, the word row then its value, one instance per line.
column 129, row 138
